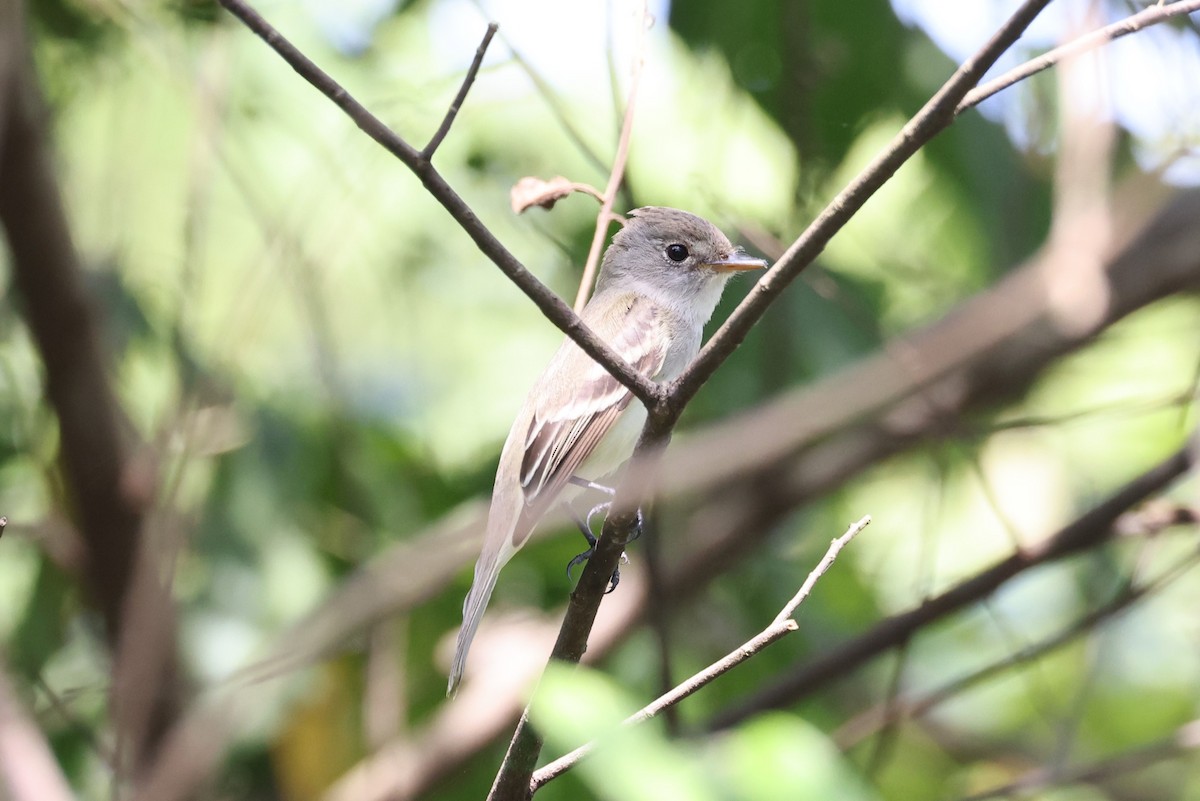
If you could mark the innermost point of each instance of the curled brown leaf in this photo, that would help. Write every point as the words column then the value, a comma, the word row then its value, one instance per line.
column 533, row 191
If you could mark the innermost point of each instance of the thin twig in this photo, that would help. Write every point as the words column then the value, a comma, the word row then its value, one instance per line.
column 931, row 120
column 781, row 626
column 550, row 304
column 617, row 174
column 452, row 112
column 1090, row 41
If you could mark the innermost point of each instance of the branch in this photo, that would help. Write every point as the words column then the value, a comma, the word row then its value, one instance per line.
column 780, row 627
column 617, row 174
column 549, row 303
column 1093, row 527
column 109, row 491
column 452, row 112
column 1184, row 741
column 894, row 710
column 1098, row 38
column 934, row 117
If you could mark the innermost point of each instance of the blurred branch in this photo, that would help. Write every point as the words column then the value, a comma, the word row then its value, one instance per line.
column 28, row 769
column 931, row 120
column 1093, row 527
column 109, row 489
column 617, row 174
column 1183, row 742
column 549, row 303
column 1098, row 38
column 783, row 624
column 896, row 710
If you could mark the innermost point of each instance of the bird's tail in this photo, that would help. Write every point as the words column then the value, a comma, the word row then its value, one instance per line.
column 486, row 571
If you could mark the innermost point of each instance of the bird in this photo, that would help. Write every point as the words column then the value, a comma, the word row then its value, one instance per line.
column 659, row 283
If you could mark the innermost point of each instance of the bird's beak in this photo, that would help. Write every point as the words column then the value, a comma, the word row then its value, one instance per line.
column 737, row 260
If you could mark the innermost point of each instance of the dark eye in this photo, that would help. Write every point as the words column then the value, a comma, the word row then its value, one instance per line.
column 677, row 252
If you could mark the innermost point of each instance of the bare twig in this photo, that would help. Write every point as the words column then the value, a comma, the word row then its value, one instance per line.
column 452, row 112
column 1098, row 38
column 549, row 303
column 934, row 117
column 781, row 626
column 617, row 174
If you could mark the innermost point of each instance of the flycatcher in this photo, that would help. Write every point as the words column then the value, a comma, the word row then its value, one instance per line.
column 659, row 283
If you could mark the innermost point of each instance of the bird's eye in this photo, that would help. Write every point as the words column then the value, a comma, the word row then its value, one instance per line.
column 677, row 252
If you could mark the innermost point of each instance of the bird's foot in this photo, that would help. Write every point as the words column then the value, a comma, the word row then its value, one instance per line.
column 585, row 527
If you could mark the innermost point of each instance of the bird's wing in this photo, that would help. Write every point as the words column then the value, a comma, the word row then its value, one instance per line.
column 565, row 425
column 569, row 421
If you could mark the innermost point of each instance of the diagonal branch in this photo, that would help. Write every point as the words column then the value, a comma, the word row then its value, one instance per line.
column 436, row 140
column 931, row 120
column 1095, row 525
column 1098, row 38
column 780, row 627
column 878, row 717
column 550, row 304
column 1184, row 741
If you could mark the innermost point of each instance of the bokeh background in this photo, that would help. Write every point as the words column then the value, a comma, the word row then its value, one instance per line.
column 319, row 368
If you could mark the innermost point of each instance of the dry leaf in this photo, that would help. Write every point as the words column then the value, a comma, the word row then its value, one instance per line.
column 532, row 191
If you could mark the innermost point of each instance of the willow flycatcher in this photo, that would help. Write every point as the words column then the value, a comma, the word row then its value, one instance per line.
column 659, row 283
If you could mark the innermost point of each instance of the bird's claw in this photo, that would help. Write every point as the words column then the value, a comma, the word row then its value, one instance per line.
column 585, row 527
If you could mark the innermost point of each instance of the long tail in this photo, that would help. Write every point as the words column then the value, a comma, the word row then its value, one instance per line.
column 486, row 571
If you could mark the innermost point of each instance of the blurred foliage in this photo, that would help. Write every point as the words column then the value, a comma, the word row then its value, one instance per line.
column 324, row 366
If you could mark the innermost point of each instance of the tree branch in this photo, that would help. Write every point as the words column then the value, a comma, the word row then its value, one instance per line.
column 452, row 112
column 1098, row 38
column 552, row 306
column 780, row 627
column 934, row 117
column 895, row 710
column 1184, row 741
column 1091, row 528
column 108, row 491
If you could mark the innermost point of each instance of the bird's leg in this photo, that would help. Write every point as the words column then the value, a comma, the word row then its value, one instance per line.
column 585, row 526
